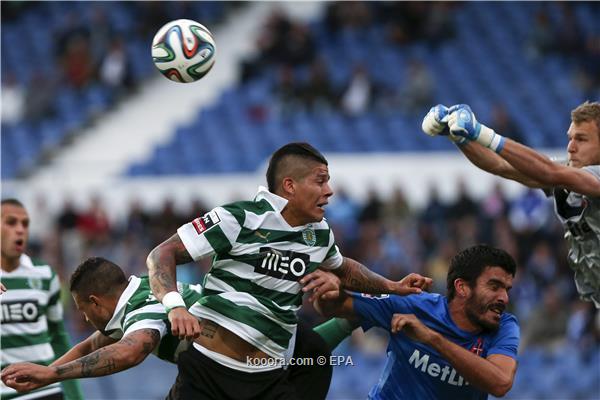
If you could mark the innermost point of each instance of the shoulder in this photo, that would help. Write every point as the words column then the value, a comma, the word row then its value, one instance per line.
column 239, row 208
column 508, row 319
column 593, row 169
column 509, row 326
column 37, row 267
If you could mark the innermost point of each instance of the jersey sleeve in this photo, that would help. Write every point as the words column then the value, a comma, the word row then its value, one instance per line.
column 152, row 316
column 213, row 233
column 378, row 310
column 333, row 258
column 594, row 170
column 506, row 341
column 54, row 311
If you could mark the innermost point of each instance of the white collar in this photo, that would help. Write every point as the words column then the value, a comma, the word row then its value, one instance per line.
column 25, row 261
column 115, row 321
column 277, row 202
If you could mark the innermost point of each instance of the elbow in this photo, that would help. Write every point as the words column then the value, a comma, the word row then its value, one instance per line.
column 150, row 260
column 501, row 388
column 133, row 357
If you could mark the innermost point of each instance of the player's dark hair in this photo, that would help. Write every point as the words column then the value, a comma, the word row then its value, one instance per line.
column 12, row 202
column 470, row 263
column 298, row 149
column 97, row 275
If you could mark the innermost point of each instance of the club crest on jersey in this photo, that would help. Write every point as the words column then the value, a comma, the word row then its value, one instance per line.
column 35, row 283
column 204, row 223
column 309, row 236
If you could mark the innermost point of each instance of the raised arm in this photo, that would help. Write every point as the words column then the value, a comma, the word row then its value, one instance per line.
column 531, row 163
column 525, row 161
column 126, row 353
column 436, row 123
column 487, row 160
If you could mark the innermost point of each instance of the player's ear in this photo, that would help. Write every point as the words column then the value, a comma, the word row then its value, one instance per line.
column 461, row 287
column 94, row 300
column 288, row 185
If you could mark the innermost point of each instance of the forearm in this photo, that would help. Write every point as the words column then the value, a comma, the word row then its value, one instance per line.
column 95, row 341
column 530, row 163
column 105, row 361
column 489, row 161
column 80, row 350
column 478, row 371
column 162, row 273
column 162, row 265
column 356, row 277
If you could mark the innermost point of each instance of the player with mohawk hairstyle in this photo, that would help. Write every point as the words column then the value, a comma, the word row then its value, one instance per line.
column 263, row 251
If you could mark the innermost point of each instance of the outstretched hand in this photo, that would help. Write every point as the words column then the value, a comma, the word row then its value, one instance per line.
column 412, row 284
column 26, row 376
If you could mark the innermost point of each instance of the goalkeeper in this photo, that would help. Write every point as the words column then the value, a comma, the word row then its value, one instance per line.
column 574, row 186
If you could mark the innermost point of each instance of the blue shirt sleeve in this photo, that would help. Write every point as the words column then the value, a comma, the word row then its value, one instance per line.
column 506, row 341
column 378, row 310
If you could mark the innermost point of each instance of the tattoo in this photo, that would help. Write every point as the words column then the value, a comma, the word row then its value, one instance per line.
column 98, row 363
column 358, row 278
column 64, row 369
column 208, row 328
column 113, row 358
column 162, row 262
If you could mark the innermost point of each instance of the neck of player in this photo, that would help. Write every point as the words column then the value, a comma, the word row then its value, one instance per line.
column 9, row 264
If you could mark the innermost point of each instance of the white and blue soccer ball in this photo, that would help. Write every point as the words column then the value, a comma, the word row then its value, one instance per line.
column 183, row 50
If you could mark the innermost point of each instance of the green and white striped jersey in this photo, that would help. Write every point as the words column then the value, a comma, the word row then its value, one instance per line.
column 137, row 309
column 252, row 288
column 31, row 300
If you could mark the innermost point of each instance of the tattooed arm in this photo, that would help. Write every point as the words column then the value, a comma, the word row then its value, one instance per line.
column 126, row 353
column 358, row 278
column 162, row 262
column 95, row 341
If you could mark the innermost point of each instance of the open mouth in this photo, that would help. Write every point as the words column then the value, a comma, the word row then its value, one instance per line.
column 322, row 205
column 497, row 309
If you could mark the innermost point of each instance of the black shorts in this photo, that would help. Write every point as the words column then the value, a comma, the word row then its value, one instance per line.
column 202, row 378
column 310, row 381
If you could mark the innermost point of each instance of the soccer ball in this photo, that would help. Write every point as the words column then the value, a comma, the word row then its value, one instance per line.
column 183, row 50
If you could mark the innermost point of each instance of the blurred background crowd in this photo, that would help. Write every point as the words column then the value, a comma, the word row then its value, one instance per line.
column 348, row 81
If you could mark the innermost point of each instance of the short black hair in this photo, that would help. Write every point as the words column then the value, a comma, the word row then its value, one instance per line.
column 470, row 263
column 13, row 202
column 299, row 149
column 97, row 275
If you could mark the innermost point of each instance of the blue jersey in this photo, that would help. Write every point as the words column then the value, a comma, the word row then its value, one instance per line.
column 416, row 371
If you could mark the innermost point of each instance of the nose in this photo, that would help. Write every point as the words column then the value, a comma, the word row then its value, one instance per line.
column 503, row 296
column 571, row 147
column 328, row 190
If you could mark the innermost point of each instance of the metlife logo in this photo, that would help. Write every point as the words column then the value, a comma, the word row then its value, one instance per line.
column 446, row 374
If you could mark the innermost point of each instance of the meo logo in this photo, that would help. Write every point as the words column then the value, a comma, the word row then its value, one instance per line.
column 24, row 311
column 282, row 264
